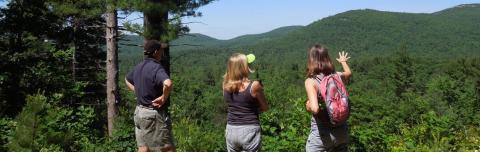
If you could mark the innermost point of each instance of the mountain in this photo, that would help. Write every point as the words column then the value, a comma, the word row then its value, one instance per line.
column 130, row 45
column 195, row 39
column 198, row 41
column 451, row 32
column 461, row 10
column 264, row 37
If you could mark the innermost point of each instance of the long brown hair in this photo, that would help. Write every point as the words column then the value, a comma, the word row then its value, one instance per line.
column 319, row 62
column 237, row 72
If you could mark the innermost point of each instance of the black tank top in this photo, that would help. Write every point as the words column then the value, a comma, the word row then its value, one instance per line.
column 242, row 107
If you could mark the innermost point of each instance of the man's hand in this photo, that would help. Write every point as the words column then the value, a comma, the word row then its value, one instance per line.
column 158, row 102
column 167, row 87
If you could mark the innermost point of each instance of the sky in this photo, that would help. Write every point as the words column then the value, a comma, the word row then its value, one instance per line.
column 226, row 19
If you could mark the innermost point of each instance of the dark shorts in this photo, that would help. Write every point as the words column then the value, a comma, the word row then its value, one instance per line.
column 153, row 128
column 328, row 139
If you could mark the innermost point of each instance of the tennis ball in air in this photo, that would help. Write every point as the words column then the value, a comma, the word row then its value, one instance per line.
column 250, row 58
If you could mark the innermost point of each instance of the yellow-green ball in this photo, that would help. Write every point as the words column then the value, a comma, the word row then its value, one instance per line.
column 250, row 58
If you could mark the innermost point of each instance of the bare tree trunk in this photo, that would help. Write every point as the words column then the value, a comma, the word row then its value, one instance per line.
column 75, row 48
column 112, row 66
column 155, row 23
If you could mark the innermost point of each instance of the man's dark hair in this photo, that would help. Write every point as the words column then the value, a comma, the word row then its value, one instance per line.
column 153, row 45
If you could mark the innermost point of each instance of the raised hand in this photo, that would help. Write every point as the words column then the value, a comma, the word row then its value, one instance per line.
column 343, row 57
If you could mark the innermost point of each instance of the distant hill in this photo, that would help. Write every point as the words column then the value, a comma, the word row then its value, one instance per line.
column 130, row 44
column 196, row 41
column 460, row 10
column 451, row 32
column 264, row 37
column 199, row 41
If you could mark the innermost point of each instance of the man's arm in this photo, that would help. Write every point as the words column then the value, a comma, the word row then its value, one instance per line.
column 129, row 85
column 167, row 88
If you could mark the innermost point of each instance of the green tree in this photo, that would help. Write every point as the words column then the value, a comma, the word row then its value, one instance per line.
column 404, row 73
column 31, row 61
column 43, row 124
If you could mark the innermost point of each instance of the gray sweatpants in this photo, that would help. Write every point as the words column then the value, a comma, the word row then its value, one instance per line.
column 243, row 138
column 328, row 139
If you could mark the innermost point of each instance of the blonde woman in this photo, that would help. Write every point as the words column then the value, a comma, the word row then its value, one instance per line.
column 245, row 100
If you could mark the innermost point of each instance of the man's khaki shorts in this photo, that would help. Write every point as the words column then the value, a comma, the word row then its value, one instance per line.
column 153, row 128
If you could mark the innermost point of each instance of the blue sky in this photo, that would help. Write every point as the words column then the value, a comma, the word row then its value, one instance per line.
column 226, row 19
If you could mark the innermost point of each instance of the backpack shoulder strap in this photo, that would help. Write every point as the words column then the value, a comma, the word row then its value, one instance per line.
column 340, row 85
column 318, row 83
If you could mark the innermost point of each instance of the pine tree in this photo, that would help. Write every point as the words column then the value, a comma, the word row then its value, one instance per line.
column 40, row 40
column 82, row 33
column 404, row 73
column 112, row 64
column 30, row 60
column 28, row 122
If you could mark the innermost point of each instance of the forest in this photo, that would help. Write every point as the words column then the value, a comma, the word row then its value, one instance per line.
column 415, row 84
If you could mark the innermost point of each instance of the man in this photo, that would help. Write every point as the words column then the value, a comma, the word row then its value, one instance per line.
column 152, row 86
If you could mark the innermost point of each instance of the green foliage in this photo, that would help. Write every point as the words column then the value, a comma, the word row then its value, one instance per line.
column 44, row 125
column 39, row 41
column 191, row 136
column 7, row 128
column 290, row 134
column 403, row 74
column 124, row 134
column 28, row 121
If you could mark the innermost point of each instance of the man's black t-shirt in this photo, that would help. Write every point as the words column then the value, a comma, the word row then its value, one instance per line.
column 148, row 77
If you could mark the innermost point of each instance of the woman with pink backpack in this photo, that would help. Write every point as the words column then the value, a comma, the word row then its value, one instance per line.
column 327, row 101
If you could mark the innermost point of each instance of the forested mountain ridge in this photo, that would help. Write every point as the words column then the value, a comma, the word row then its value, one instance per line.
column 461, row 10
column 264, row 37
column 199, row 41
column 448, row 33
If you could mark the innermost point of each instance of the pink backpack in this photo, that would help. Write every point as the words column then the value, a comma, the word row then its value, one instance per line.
column 335, row 96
